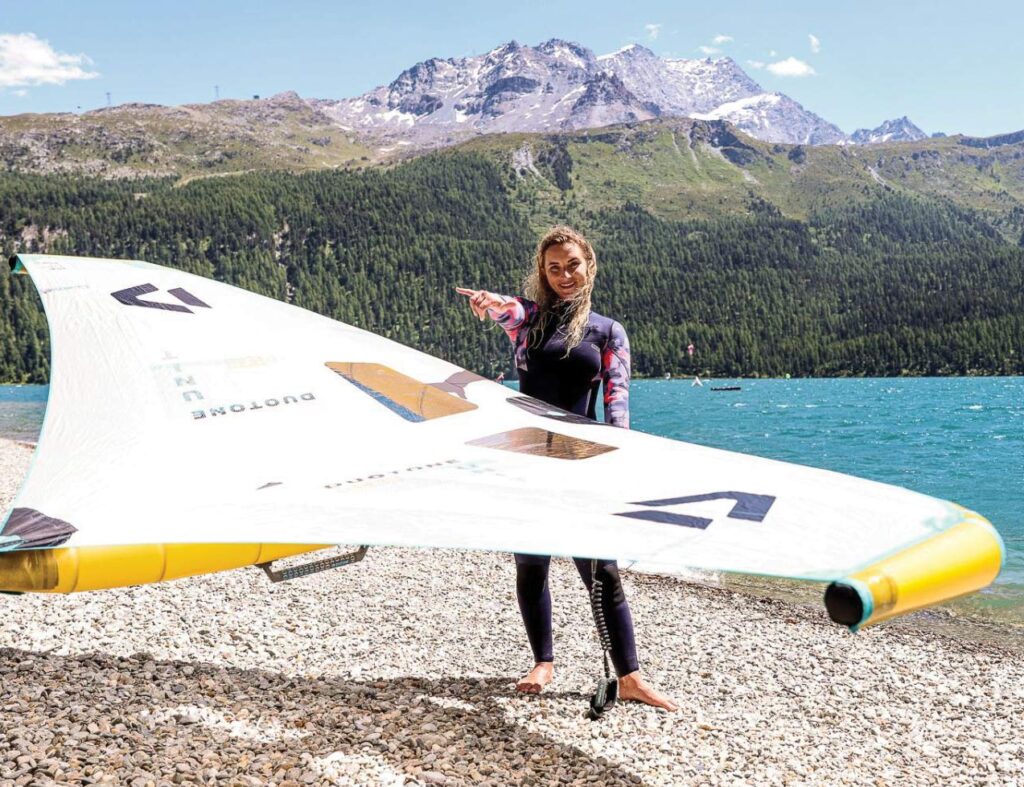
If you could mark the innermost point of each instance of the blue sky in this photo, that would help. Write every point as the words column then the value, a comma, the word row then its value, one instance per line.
column 948, row 65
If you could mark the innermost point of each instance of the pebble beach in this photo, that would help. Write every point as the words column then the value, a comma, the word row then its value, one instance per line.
column 401, row 669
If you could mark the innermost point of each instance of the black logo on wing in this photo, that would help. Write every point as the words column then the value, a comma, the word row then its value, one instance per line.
column 130, row 297
column 751, row 507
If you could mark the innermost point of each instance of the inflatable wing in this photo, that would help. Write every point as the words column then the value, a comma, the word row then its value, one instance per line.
column 193, row 427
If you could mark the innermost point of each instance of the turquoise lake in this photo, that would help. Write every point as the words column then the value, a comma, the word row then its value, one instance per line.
column 960, row 439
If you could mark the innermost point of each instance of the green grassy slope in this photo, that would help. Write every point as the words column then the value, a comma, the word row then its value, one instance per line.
column 680, row 170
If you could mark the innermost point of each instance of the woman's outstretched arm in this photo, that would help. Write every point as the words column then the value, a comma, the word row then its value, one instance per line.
column 510, row 313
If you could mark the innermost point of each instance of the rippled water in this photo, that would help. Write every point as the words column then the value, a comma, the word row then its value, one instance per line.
column 21, row 411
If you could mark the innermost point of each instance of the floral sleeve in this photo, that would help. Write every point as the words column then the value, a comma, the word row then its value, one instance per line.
column 615, row 377
column 511, row 321
column 516, row 325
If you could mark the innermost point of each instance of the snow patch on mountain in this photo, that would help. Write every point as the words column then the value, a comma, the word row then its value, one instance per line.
column 775, row 117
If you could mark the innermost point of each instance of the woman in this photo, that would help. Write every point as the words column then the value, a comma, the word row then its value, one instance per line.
column 564, row 352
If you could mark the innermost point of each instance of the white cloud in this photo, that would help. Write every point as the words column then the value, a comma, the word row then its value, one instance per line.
column 26, row 60
column 21, row 92
column 755, row 64
column 791, row 67
column 653, row 30
column 721, row 39
column 709, row 50
column 773, row 53
column 815, row 43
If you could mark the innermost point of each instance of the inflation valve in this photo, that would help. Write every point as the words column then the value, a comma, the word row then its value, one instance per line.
column 305, row 569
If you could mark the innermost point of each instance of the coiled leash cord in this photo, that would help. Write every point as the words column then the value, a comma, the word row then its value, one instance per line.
column 608, row 687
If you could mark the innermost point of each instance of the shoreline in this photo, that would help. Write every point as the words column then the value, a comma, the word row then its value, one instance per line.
column 401, row 670
column 961, row 618
column 964, row 618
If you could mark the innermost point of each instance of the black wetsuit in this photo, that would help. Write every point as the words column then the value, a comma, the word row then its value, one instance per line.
column 572, row 382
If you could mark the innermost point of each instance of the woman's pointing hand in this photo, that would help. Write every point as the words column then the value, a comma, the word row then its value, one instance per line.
column 482, row 300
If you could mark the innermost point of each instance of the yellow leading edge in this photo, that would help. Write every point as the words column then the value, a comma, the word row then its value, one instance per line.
column 73, row 569
column 957, row 561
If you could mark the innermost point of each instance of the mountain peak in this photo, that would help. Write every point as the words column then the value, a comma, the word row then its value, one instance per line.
column 898, row 130
column 508, row 48
column 556, row 44
column 629, row 51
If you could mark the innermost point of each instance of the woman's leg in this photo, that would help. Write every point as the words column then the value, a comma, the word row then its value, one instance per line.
column 616, row 613
column 632, row 685
column 535, row 606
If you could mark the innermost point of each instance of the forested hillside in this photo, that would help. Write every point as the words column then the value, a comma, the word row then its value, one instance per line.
column 888, row 284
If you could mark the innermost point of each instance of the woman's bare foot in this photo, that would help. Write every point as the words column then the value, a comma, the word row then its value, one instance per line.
column 537, row 678
column 634, row 687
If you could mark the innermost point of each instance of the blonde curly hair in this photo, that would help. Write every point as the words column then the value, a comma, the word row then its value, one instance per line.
column 575, row 313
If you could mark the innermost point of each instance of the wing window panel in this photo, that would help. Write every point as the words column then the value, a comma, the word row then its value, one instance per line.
column 541, row 442
column 403, row 395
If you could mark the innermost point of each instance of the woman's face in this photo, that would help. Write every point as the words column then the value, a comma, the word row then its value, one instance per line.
column 565, row 269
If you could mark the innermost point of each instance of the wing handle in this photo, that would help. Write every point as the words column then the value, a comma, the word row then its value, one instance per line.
column 305, row 569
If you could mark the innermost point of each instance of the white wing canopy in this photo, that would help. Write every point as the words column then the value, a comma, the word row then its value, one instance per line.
column 186, row 410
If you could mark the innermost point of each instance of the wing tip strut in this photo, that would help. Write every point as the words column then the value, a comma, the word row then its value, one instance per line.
column 959, row 560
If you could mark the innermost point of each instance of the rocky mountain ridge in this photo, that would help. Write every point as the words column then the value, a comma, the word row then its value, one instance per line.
column 137, row 140
column 562, row 86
